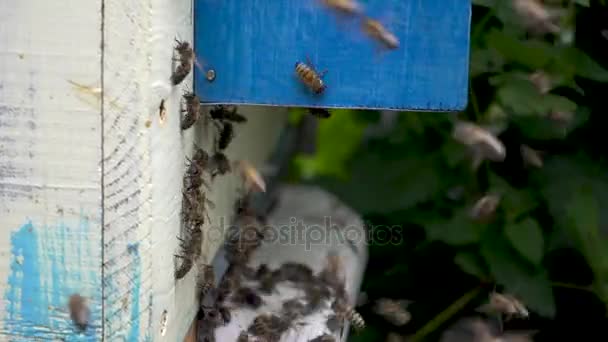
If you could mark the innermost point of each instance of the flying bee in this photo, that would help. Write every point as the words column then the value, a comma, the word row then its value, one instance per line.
column 378, row 32
column 310, row 77
column 185, row 59
column 484, row 143
column 162, row 111
column 394, row 311
column 344, row 6
column 250, row 175
column 222, row 113
column 221, row 164
column 226, row 135
column 79, row 311
column 320, row 113
column 193, row 110
column 333, row 273
column 485, row 207
column 531, row 156
column 506, row 304
column 345, row 311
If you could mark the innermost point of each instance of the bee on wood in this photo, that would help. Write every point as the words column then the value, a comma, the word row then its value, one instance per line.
column 394, row 311
column 222, row 113
column 194, row 208
column 162, row 111
column 346, row 312
column 193, row 110
column 323, row 338
column 320, row 113
column 190, row 250
column 230, row 282
column 317, row 294
column 206, row 281
column 344, row 6
column 247, row 296
column 79, row 311
column 378, row 32
column 221, row 164
column 213, row 316
column 185, row 59
column 310, row 77
column 226, row 135
column 193, row 178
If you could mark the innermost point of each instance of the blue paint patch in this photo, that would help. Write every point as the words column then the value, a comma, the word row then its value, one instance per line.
column 40, row 282
column 136, row 271
column 253, row 46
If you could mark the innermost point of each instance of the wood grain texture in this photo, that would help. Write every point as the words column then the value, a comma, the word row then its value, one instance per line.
column 50, row 180
column 254, row 45
column 307, row 224
column 144, row 161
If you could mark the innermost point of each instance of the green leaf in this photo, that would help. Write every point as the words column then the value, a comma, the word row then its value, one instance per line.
column 471, row 263
column 459, row 230
column 337, row 140
column 527, row 238
column 510, row 270
column 584, row 66
column 532, row 54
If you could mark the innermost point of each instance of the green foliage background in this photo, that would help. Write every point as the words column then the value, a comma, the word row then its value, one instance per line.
column 546, row 243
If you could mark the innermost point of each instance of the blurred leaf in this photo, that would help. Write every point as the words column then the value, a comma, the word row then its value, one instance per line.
column 484, row 3
column 584, row 66
column 545, row 128
column 532, row 54
column 296, row 115
column 471, row 263
column 527, row 238
column 458, row 230
column 514, row 203
column 523, row 99
column 485, row 60
column 338, row 138
column 584, row 3
column 532, row 285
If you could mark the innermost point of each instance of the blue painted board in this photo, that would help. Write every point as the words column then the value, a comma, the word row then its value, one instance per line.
column 253, row 45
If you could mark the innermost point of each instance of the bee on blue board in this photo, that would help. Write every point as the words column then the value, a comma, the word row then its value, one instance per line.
column 320, row 113
column 307, row 73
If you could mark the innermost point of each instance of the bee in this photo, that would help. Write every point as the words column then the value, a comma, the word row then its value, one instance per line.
column 269, row 327
column 190, row 250
column 485, row 207
column 317, row 294
column 505, row 304
column 162, row 111
column 296, row 272
column 221, row 164
column 530, row 156
column 247, row 296
column 243, row 337
column 79, row 311
column 250, row 175
column 185, row 59
column 222, row 113
column 333, row 273
column 226, row 287
column 293, row 308
column 213, row 316
column 394, row 311
column 194, row 208
column 321, row 113
column 310, row 77
column 480, row 139
column 378, row 32
column 345, row 311
column 194, row 171
column 344, row 6
column 207, row 281
column 226, row 135
column 193, row 110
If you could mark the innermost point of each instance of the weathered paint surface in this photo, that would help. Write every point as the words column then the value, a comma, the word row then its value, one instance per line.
column 253, row 46
column 40, row 282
